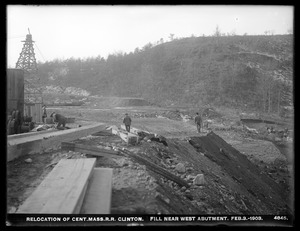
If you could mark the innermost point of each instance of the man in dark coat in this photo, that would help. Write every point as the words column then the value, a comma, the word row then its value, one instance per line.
column 198, row 122
column 127, row 122
column 60, row 119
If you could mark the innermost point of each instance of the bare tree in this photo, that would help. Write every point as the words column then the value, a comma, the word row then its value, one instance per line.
column 217, row 32
column 171, row 36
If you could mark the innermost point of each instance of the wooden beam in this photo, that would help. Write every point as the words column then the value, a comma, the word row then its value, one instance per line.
column 95, row 151
column 133, row 131
column 97, row 199
column 39, row 142
column 128, row 137
column 157, row 169
column 62, row 191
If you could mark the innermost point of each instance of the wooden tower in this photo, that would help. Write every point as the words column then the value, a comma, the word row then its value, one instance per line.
column 27, row 59
column 33, row 98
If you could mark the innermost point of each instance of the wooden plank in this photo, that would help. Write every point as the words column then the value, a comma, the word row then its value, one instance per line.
column 62, row 191
column 97, row 199
column 124, row 135
column 89, row 150
column 71, row 145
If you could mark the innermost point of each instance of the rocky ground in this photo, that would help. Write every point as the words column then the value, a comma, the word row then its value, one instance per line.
column 226, row 169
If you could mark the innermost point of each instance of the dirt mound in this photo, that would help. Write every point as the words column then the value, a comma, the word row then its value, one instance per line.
column 260, row 150
column 263, row 189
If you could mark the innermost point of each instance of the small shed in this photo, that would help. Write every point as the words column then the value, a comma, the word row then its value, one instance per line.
column 34, row 110
column 15, row 90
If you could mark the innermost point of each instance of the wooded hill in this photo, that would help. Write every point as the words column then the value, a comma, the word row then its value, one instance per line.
column 240, row 71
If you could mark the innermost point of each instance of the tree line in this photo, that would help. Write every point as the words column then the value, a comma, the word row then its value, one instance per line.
column 240, row 71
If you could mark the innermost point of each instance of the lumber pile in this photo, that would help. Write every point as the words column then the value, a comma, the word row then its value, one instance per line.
column 128, row 137
column 133, row 130
column 73, row 186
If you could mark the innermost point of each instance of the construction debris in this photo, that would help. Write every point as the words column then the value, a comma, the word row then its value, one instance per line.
column 94, row 151
column 129, row 138
column 43, row 127
column 180, row 168
column 28, row 160
column 155, row 168
column 199, row 180
column 156, row 174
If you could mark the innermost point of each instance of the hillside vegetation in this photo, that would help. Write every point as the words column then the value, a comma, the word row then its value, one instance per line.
column 254, row 72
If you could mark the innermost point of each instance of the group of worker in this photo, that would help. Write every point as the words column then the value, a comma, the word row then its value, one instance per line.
column 57, row 118
column 14, row 123
column 61, row 121
column 15, row 120
column 281, row 133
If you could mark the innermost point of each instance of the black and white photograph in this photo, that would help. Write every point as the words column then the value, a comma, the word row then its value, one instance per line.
column 150, row 115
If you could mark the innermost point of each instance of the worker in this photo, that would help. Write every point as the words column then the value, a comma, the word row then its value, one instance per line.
column 198, row 122
column 44, row 113
column 18, row 122
column 13, row 113
column 10, row 125
column 60, row 119
column 127, row 122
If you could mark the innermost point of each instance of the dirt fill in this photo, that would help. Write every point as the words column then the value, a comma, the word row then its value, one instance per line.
column 243, row 171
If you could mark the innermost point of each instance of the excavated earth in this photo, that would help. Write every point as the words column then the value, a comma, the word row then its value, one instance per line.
column 237, row 181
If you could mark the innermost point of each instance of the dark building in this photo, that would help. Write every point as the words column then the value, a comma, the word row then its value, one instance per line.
column 15, row 90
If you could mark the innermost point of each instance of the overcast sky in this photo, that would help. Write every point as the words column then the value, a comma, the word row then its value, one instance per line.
column 89, row 31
